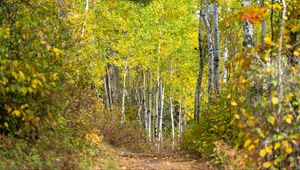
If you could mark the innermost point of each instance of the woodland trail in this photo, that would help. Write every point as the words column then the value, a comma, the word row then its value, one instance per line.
column 136, row 161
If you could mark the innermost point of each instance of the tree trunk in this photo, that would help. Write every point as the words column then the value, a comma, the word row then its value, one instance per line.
column 279, row 58
column 264, row 26
column 150, row 105
column 124, row 95
column 180, row 119
column 161, row 115
column 84, row 20
column 139, row 102
column 145, row 103
column 216, row 69
column 225, row 71
column 200, row 74
column 157, row 106
column 106, row 92
column 171, row 104
column 209, row 47
column 248, row 37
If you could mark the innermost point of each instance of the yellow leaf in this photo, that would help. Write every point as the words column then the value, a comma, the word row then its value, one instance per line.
column 233, row 103
column 247, row 143
column 296, row 53
column 267, row 164
column 269, row 149
column 6, row 124
column 251, row 147
column 17, row 113
column 288, row 149
column 269, row 41
column 271, row 120
column 262, row 153
column 275, row 100
column 289, row 118
column 236, row 116
column 277, row 145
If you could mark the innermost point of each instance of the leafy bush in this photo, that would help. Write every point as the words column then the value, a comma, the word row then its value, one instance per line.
column 213, row 126
column 30, row 64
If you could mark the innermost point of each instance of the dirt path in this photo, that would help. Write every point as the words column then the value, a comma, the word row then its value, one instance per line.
column 135, row 161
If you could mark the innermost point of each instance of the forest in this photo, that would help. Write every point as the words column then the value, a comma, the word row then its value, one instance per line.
column 150, row 84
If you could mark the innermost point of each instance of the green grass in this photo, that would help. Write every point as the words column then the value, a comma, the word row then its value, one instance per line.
column 59, row 149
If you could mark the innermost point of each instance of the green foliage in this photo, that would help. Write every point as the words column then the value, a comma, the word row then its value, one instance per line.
column 213, row 126
column 30, row 63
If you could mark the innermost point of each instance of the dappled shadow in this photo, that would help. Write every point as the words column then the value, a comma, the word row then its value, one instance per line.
column 144, row 2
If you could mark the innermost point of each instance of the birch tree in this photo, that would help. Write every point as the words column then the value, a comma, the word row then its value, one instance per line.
column 248, row 37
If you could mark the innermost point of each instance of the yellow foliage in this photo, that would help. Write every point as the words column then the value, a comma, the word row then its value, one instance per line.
column 93, row 137
column 267, row 164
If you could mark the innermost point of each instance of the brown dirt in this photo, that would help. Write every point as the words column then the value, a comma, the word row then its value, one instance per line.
column 136, row 161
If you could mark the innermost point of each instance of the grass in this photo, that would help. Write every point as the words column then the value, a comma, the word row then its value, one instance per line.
column 58, row 149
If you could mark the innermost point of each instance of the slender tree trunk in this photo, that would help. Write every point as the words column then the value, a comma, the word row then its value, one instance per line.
column 201, row 66
column 106, row 92
column 150, row 105
column 157, row 105
column 124, row 94
column 84, row 20
column 217, row 55
column 248, row 37
column 161, row 115
column 116, row 84
column 109, row 84
column 171, row 104
column 145, row 103
column 225, row 74
column 180, row 119
column 279, row 58
column 209, row 47
column 264, row 26
column 139, row 102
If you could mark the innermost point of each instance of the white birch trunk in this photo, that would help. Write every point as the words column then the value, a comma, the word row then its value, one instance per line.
column 171, row 105
column 180, row 119
column 157, row 106
column 84, row 19
column 225, row 71
column 216, row 69
column 145, row 103
column 210, row 49
column 248, row 37
column 124, row 95
column 161, row 115
column 264, row 26
column 150, row 105
column 201, row 66
column 279, row 58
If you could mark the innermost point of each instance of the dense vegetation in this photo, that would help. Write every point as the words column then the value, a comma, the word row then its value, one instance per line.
column 219, row 79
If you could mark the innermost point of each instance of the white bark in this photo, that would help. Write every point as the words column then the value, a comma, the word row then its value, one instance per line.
column 161, row 115
column 225, row 71
column 201, row 67
column 156, row 106
column 217, row 55
column 171, row 105
column 210, row 48
column 248, row 37
column 264, row 26
column 145, row 103
column 124, row 95
column 279, row 58
column 180, row 119
column 150, row 105
column 84, row 19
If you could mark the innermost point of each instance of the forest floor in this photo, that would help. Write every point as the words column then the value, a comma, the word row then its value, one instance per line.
column 162, row 161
